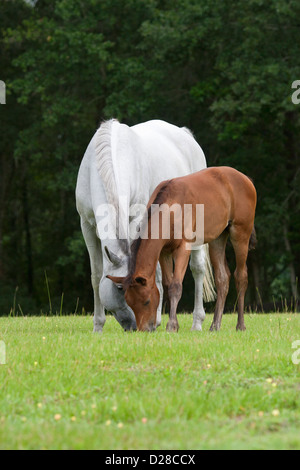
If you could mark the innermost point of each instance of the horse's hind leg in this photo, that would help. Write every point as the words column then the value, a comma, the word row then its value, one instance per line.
column 222, row 276
column 240, row 241
column 197, row 265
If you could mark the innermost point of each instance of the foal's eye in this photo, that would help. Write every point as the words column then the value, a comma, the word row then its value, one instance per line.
column 147, row 302
column 119, row 287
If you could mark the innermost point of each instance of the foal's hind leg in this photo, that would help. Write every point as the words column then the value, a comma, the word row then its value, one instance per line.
column 222, row 276
column 197, row 265
column 240, row 241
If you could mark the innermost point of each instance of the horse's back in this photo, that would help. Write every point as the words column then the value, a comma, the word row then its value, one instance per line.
column 172, row 146
column 154, row 151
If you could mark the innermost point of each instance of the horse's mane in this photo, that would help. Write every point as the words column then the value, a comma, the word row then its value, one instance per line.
column 104, row 161
column 105, row 167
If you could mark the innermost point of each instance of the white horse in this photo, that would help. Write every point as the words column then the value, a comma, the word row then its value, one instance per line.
column 127, row 163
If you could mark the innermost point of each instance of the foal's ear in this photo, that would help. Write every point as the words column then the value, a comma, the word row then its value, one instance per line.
column 116, row 279
column 141, row 280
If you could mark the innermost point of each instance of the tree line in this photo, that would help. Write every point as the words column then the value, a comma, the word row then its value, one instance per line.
column 223, row 69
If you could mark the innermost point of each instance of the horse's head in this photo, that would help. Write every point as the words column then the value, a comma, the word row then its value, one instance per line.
column 112, row 295
column 142, row 295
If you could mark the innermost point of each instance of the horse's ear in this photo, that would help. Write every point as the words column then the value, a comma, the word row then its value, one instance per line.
column 141, row 280
column 116, row 279
column 113, row 258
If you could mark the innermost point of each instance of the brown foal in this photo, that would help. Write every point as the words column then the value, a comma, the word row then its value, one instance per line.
column 229, row 200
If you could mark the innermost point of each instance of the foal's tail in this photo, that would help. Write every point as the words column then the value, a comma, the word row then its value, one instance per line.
column 253, row 240
column 209, row 293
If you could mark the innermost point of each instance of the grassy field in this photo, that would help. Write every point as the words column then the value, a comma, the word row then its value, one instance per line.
column 63, row 387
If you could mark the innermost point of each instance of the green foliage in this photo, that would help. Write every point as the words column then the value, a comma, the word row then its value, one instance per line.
column 222, row 69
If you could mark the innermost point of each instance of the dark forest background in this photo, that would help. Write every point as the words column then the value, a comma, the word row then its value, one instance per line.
column 224, row 69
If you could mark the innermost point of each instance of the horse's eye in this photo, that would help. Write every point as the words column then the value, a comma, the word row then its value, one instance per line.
column 147, row 302
column 120, row 287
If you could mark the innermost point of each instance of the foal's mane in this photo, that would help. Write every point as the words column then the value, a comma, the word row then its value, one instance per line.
column 160, row 196
column 132, row 261
column 135, row 246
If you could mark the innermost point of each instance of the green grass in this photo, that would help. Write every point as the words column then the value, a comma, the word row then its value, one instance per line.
column 191, row 390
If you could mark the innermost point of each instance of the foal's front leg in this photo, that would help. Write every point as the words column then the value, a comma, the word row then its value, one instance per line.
column 181, row 258
column 175, row 292
column 159, row 285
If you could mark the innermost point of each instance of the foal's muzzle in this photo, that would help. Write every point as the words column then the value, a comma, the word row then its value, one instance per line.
column 150, row 327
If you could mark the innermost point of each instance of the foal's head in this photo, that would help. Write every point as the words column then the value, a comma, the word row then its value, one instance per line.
column 142, row 295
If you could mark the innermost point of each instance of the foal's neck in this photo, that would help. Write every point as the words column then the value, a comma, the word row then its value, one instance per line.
column 148, row 256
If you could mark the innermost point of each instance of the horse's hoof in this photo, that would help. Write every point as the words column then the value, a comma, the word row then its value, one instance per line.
column 196, row 327
column 98, row 329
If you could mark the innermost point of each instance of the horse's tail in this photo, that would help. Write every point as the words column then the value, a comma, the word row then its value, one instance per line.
column 209, row 293
column 253, row 240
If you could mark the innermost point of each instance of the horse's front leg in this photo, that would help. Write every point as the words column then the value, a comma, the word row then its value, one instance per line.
column 181, row 258
column 93, row 245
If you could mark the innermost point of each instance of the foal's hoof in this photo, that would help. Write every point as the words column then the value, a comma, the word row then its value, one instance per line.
column 172, row 327
column 214, row 327
column 240, row 327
